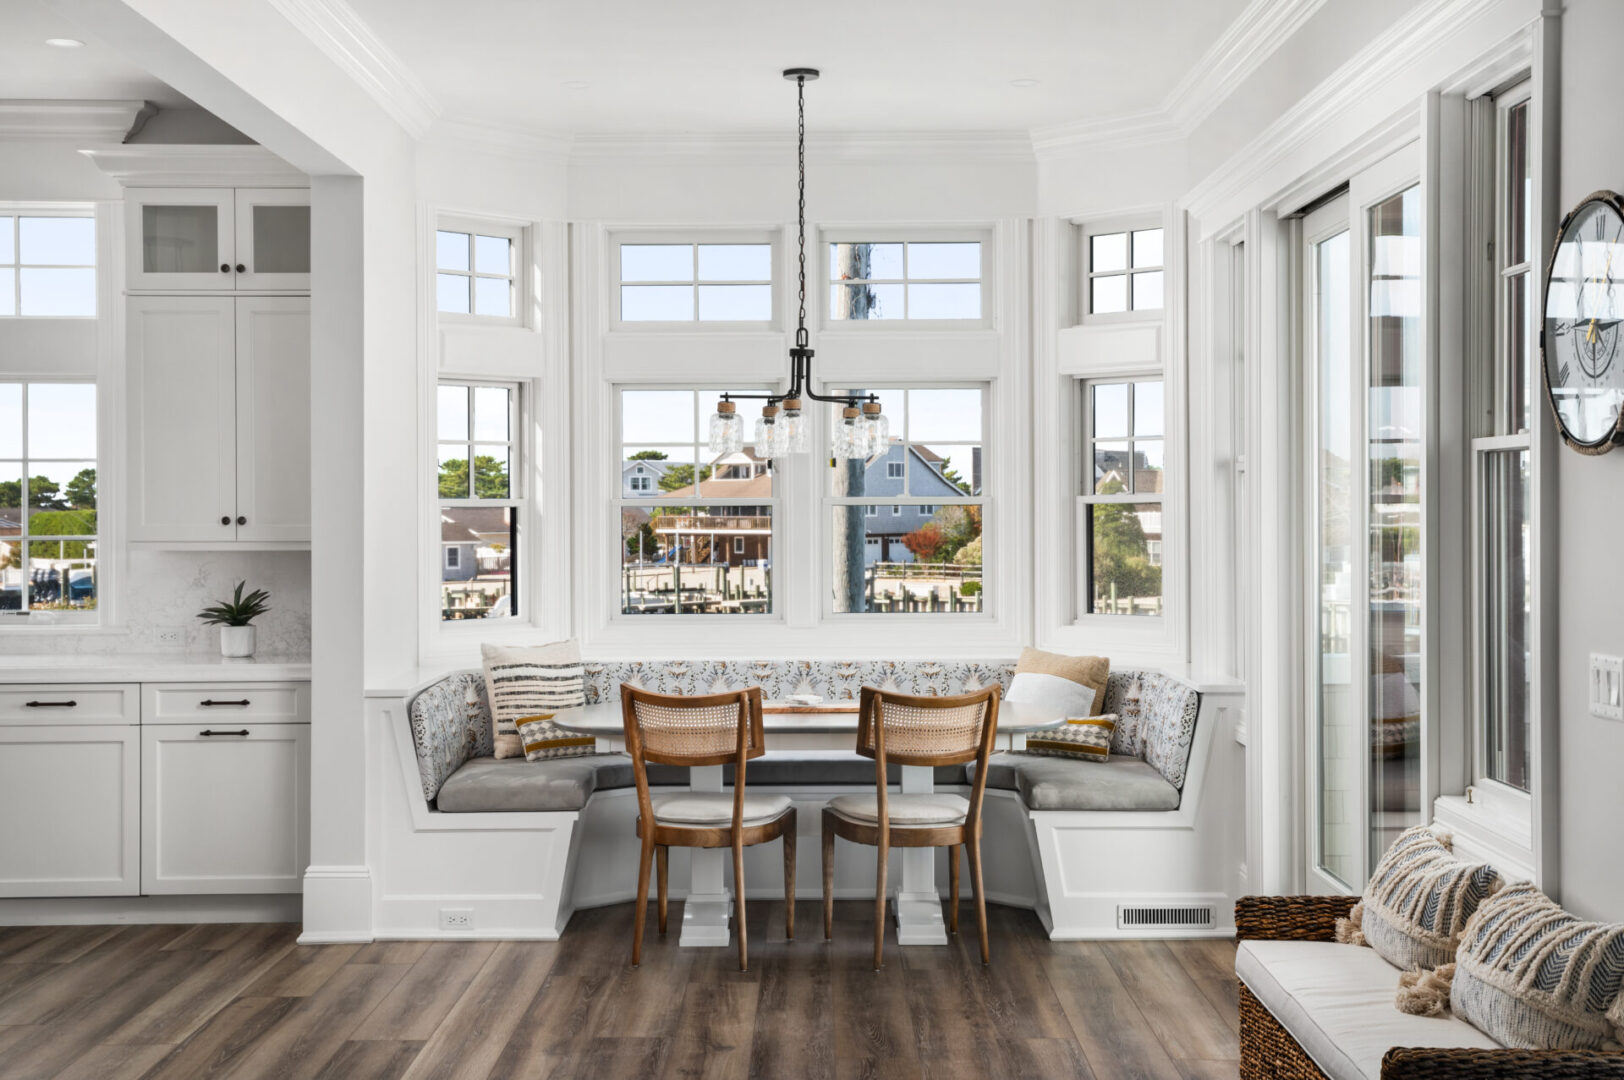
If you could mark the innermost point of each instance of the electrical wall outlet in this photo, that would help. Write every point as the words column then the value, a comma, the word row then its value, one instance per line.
column 1606, row 687
column 172, row 637
column 456, row 918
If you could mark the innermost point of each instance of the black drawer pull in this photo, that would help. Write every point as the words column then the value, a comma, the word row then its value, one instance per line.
column 244, row 731
column 211, row 703
column 52, row 704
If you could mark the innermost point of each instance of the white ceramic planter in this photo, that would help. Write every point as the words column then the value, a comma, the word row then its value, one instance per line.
column 236, row 641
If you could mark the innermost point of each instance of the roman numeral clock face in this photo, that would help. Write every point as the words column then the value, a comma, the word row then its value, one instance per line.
column 1582, row 340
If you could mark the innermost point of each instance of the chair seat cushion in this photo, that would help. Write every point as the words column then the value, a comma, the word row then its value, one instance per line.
column 712, row 808
column 1058, row 783
column 1337, row 1002
column 903, row 810
column 498, row 785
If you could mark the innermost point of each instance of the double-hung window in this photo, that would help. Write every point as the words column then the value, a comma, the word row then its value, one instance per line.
column 47, row 265
column 918, row 281
column 481, row 497
column 1125, row 271
column 695, row 282
column 904, row 561
column 477, row 271
column 48, row 523
column 1123, row 466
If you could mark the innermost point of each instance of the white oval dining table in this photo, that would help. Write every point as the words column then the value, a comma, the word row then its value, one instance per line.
column 829, row 726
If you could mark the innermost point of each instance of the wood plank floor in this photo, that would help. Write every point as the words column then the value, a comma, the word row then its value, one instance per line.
column 218, row 1001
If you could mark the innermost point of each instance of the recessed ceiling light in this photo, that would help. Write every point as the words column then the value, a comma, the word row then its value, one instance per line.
column 64, row 42
column 1024, row 83
column 575, row 84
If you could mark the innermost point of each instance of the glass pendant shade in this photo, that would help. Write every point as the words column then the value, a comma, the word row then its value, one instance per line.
column 771, row 441
column 876, row 428
column 797, row 429
column 851, row 436
column 726, row 429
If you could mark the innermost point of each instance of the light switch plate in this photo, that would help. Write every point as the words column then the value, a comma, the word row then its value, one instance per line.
column 1606, row 687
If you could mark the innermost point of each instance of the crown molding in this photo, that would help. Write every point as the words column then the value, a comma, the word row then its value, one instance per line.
column 43, row 120
column 778, row 148
column 155, row 165
column 335, row 28
column 543, row 146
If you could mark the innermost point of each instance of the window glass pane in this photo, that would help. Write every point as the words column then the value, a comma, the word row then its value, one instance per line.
column 11, row 511
column 663, row 470
column 1147, row 408
column 451, row 293
column 11, row 420
column 491, row 479
column 451, row 250
column 281, row 239
column 1507, row 606
column 939, row 469
column 1108, row 252
column 656, row 303
column 657, row 416
column 1111, row 468
column 493, row 296
column 478, row 581
column 656, row 262
column 492, row 408
column 62, row 498
column 1108, row 294
column 865, row 302
column 865, row 262
column 735, row 303
column 943, row 415
column 180, row 239
column 61, row 420
column 1147, row 247
column 1148, row 461
column 8, row 249
column 1519, row 181
column 696, row 560
column 451, row 403
column 1519, row 313
column 1147, row 291
column 493, row 255
column 8, row 292
column 1125, row 558
column 62, row 575
column 454, row 471
column 56, row 241
column 58, row 293
column 1110, row 410
column 955, row 260
column 735, row 262
column 944, row 301
column 888, row 563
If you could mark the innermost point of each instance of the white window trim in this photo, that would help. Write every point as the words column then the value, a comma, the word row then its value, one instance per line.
column 697, row 237
column 16, row 265
column 1086, row 499
column 516, row 232
column 453, row 557
column 819, row 286
column 1086, row 231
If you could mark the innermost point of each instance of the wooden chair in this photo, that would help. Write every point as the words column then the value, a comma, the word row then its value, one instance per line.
column 716, row 729
column 926, row 731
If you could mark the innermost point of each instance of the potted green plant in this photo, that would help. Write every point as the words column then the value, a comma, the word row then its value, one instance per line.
column 235, row 617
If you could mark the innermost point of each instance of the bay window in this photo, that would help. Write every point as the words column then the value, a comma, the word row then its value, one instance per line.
column 663, row 282
column 1125, row 271
column 905, row 280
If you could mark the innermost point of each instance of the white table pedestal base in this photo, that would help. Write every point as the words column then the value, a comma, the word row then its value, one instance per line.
column 705, row 912
column 917, row 905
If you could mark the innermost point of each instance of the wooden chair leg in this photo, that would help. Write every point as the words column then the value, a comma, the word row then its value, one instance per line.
column 981, row 903
column 828, row 881
column 641, row 911
column 789, row 881
column 953, row 888
column 879, row 896
column 661, row 857
column 738, row 900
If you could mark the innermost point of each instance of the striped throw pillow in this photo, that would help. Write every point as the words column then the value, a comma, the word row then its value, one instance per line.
column 1085, row 737
column 1419, row 898
column 1534, row 977
column 527, row 685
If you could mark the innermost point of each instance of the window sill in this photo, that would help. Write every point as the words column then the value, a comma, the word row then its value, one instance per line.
column 1488, row 832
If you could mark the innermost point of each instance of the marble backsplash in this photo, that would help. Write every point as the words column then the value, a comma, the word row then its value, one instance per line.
column 164, row 590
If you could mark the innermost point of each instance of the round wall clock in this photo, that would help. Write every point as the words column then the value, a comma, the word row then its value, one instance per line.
column 1580, row 344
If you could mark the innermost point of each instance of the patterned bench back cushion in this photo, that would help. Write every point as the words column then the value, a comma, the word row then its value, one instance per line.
column 450, row 720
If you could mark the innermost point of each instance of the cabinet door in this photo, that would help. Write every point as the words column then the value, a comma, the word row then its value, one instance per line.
column 70, row 809
column 181, row 238
column 224, row 807
column 182, row 418
column 273, row 418
column 273, row 238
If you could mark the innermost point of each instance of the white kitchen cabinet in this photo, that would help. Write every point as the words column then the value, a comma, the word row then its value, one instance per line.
column 273, row 239
column 219, row 419
column 224, row 807
column 218, row 239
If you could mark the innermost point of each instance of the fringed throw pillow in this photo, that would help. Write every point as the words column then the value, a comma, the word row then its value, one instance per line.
column 1534, row 977
column 1075, row 685
column 1419, row 898
column 527, row 685
column 1086, row 737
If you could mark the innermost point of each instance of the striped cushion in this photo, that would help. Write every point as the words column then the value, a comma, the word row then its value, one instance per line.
column 1085, row 737
column 1534, row 977
column 1419, row 898
column 526, row 686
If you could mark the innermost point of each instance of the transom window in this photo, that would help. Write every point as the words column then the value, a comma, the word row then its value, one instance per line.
column 481, row 500
column 1125, row 271
column 1124, row 458
column 48, row 517
column 905, row 280
column 476, row 272
column 696, row 282
column 47, row 266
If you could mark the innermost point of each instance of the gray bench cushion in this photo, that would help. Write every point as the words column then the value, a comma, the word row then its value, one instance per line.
column 1057, row 783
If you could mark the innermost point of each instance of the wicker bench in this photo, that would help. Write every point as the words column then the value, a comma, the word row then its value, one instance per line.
column 1270, row 1052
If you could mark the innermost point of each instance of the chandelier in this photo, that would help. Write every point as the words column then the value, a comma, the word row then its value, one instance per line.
column 863, row 430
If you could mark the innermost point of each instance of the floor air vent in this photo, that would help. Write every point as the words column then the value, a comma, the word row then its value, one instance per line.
column 1163, row 918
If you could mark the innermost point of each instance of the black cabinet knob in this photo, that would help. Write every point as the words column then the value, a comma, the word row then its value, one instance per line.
column 241, row 269
column 242, row 521
column 225, row 268
column 225, row 521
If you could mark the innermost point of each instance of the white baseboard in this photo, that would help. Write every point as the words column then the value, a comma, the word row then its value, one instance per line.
column 337, row 905
column 135, row 910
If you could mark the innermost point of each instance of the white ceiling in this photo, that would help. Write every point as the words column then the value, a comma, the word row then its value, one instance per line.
column 29, row 68
column 713, row 65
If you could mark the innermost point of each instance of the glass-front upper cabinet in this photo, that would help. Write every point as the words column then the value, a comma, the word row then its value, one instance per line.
column 191, row 239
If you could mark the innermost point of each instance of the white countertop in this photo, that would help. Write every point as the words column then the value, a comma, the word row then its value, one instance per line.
column 152, row 668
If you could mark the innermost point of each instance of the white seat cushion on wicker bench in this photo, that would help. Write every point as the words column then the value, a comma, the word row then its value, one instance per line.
column 903, row 810
column 709, row 809
column 1337, row 1002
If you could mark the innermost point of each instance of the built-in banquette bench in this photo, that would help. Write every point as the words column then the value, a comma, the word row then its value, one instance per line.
column 1073, row 839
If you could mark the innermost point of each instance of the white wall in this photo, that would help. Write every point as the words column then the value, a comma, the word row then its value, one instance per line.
column 1591, row 570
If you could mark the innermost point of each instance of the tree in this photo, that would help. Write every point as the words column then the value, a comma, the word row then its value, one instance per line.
column 648, row 455
column 81, row 490
column 924, row 542
column 681, row 476
column 43, row 493
column 1121, row 557
column 637, row 526
column 490, row 478
column 952, row 476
